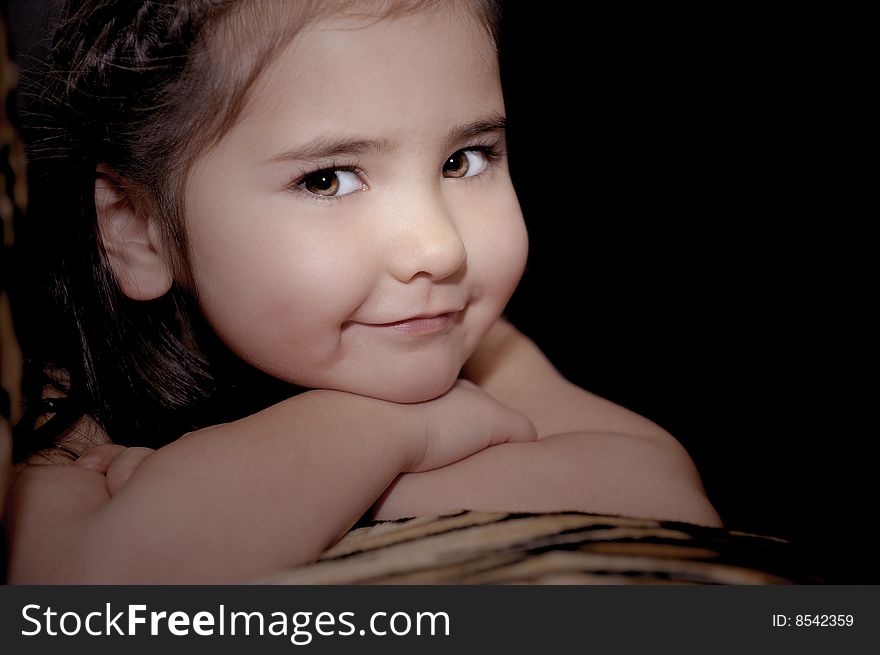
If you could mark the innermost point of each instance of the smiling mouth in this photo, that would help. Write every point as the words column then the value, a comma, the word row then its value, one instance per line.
column 419, row 325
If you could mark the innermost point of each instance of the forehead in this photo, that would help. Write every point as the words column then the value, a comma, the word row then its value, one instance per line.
column 402, row 68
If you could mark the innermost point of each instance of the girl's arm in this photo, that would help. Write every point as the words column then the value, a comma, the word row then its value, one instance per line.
column 238, row 500
column 595, row 472
column 592, row 455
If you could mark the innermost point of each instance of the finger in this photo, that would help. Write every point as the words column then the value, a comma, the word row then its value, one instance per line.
column 124, row 465
column 100, row 457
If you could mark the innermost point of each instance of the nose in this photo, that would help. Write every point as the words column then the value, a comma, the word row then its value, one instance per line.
column 427, row 242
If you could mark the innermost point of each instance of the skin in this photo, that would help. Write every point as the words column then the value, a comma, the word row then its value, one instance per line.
column 409, row 239
column 591, row 455
column 300, row 286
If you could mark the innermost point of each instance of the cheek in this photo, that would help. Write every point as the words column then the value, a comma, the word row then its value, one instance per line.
column 278, row 287
column 499, row 248
column 314, row 284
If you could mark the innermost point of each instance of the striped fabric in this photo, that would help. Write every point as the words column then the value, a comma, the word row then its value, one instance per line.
column 554, row 548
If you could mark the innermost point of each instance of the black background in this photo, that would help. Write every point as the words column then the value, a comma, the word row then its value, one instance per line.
column 695, row 255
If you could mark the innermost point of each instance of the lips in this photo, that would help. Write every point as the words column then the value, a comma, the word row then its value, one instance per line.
column 419, row 325
column 413, row 319
column 441, row 311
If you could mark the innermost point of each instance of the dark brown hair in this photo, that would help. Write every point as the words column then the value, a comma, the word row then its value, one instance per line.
column 142, row 88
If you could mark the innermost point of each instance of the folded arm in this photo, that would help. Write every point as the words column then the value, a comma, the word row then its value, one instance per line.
column 592, row 455
column 596, row 472
column 223, row 504
column 238, row 500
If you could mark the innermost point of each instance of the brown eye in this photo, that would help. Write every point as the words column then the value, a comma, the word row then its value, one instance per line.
column 322, row 183
column 331, row 183
column 456, row 166
column 466, row 163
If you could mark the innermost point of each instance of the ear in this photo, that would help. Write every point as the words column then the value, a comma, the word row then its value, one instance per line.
column 130, row 239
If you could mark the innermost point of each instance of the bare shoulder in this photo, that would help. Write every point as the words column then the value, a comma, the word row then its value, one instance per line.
column 513, row 369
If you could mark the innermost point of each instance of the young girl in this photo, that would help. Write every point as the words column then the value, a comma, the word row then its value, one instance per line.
column 280, row 238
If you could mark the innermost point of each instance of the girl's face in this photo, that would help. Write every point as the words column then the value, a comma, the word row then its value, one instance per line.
column 365, row 185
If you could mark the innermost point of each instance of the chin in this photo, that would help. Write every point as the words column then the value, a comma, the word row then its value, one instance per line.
column 420, row 392
column 406, row 389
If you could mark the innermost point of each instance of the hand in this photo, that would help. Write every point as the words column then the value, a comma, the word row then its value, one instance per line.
column 115, row 462
column 464, row 421
column 514, row 371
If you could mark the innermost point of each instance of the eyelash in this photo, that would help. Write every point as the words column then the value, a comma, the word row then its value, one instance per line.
column 334, row 167
column 491, row 151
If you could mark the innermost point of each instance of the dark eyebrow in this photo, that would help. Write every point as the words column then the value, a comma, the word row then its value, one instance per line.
column 491, row 123
column 328, row 147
